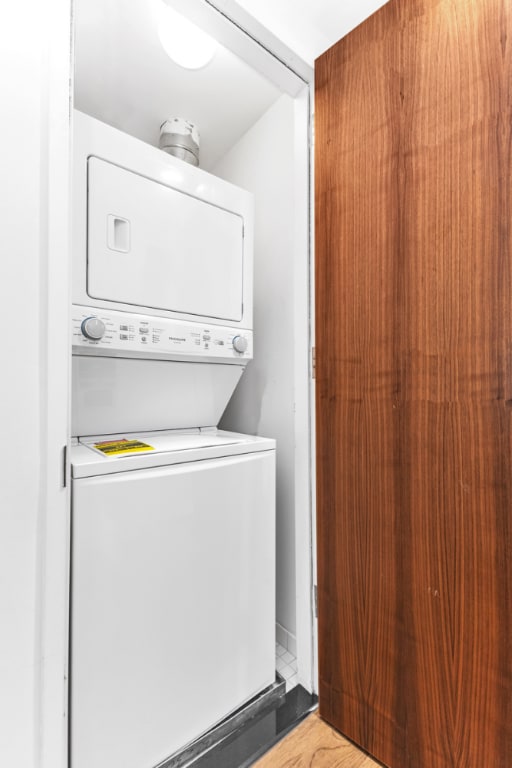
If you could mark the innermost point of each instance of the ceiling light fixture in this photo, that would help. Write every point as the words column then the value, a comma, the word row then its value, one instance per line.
column 183, row 41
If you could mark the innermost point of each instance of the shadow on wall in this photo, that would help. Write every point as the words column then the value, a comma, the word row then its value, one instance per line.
column 243, row 412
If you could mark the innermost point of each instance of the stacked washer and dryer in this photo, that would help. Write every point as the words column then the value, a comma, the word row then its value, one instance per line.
column 173, row 520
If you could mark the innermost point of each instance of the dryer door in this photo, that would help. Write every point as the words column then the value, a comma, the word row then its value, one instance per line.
column 153, row 246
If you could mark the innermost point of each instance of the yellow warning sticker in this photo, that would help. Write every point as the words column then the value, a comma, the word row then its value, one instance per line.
column 120, row 447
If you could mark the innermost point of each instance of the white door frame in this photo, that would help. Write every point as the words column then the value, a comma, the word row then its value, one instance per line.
column 35, row 50
column 53, row 554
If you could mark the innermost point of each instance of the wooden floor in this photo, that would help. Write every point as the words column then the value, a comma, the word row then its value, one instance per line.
column 314, row 744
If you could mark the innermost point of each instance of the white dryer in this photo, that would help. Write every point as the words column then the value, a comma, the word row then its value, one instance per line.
column 152, row 234
column 173, row 588
column 162, row 286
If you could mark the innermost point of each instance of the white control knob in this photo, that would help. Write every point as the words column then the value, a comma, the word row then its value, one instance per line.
column 240, row 344
column 93, row 328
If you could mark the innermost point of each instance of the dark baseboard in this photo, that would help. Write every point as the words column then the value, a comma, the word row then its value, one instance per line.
column 248, row 741
column 263, row 702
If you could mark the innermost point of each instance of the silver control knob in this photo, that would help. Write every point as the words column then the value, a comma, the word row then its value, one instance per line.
column 240, row 344
column 93, row 328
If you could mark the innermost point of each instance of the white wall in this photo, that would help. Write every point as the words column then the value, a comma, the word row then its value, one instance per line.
column 263, row 404
column 34, row 82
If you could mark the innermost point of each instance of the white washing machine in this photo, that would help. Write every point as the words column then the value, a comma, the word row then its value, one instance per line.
column 173, row 607
column 173, row 522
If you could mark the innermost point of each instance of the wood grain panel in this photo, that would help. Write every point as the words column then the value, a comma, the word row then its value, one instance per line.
column 361, row 644
column 414, row 314
column 460, row 690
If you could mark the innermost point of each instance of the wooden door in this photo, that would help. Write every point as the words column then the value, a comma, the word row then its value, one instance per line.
column 414, row 383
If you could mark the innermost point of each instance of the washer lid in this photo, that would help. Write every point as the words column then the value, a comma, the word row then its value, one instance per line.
column 107, row 454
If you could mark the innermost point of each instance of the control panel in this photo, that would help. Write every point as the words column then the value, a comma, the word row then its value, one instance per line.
column 122, row 334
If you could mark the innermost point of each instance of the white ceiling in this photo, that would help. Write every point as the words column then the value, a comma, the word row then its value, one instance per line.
column 310, row 27
column 124, row 78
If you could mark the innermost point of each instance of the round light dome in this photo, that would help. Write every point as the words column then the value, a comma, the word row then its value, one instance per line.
column 183, row 41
